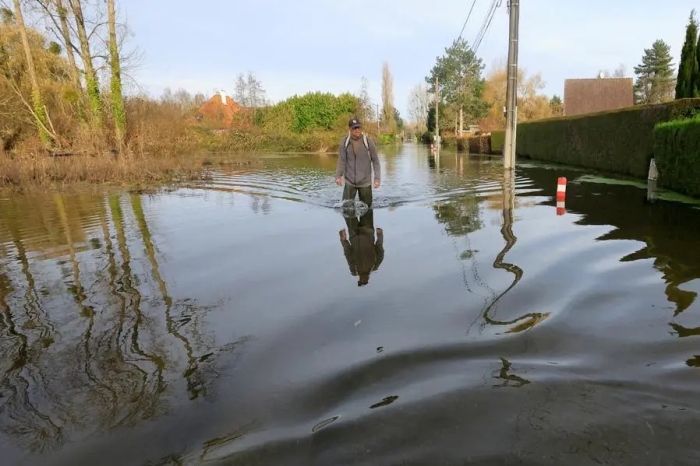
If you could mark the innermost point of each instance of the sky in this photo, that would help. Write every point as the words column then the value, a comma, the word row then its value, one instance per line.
column 329, row 45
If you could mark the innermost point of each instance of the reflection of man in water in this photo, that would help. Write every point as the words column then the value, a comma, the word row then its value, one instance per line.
column 363, row 254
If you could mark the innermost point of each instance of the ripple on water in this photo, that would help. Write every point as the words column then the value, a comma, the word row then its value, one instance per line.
column 317, row 187
column 553, row 340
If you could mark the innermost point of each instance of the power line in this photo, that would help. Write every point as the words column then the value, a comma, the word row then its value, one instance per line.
column 485, row 30
column 466, row 21
column 483, row 25
column 487, row 23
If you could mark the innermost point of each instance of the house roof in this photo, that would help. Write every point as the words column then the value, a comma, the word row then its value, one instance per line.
column 214, row 110
column 597, row 95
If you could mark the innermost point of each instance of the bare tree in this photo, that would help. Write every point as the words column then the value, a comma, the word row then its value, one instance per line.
column 66, row 27
column 388, row 115
column 418, row 106
column 366, row 101
column 91, row 82
column 69, row 47
column 183, row 99
column 37, row 105
column 116, row 79
column 620, row 71
column 256, row 92
column 248, row 91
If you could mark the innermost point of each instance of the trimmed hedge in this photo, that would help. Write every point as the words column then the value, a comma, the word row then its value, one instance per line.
column 480, row 144
column 619, row 141
column 498, row 140
column 461, row 144
column 677, row 155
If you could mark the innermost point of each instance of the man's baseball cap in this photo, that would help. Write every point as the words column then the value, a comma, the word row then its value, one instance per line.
column 354, row 123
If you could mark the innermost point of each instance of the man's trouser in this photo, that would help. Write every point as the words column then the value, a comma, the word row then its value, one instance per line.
column 349, row 192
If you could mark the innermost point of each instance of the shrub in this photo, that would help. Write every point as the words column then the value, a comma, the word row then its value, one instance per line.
column 452, row 141
column 309, row 112
column 427, row 138
column 498, row 139
column 619, row 141
column 448, row 140
column 479, row 144
column 677, row 155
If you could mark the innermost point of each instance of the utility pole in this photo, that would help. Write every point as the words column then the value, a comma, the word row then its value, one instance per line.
column 511, row 88
column 378, row 130
column 437, row 111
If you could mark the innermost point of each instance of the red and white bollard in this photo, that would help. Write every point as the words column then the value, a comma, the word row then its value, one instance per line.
column 561, row 195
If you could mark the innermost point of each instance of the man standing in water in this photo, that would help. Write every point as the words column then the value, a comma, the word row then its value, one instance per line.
column 357, row 156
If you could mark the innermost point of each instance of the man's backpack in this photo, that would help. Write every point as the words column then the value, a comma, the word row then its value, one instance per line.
column 364, row 141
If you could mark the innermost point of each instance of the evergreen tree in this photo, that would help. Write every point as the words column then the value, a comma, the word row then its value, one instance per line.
column 655, row 82
column 688, row 82
column 696, row 80
column 461, row 85
column 556, row 105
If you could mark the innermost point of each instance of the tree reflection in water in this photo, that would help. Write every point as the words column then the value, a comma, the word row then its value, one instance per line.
column 86, row 344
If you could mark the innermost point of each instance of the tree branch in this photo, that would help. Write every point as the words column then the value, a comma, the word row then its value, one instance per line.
column 28, row 106
column 45, row 6
column 94, row 29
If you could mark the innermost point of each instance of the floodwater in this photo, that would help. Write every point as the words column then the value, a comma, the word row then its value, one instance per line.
column 223, row 323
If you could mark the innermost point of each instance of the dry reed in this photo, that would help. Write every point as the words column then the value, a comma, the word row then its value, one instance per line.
column 50, row 173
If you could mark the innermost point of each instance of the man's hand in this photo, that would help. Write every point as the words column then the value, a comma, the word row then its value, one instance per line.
column 376, row 183
column 339, row 181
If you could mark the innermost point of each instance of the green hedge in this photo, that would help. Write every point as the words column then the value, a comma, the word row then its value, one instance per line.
column 427, row 138
column 619, row 141
column 479, row 144
column 498, row 139
column 265, row 142
column 313, row 111
column 677, row 155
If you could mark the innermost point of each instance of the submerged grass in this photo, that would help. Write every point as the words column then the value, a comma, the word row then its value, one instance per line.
column 137, row 173
column 44, row 173
column 159, row 155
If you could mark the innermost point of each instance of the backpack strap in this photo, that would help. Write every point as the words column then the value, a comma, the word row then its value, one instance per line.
column 364, row 141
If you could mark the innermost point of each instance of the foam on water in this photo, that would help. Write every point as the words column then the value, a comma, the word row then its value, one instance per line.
column 351, row 208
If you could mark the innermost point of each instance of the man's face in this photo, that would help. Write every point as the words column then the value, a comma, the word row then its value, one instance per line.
column 356, row 131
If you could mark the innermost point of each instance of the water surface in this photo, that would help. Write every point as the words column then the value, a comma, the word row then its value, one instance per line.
column 223, row 323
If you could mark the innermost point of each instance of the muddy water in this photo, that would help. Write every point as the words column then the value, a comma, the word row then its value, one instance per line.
column 223, row 323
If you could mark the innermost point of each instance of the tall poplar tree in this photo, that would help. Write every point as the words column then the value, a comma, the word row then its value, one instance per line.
column 688, row 81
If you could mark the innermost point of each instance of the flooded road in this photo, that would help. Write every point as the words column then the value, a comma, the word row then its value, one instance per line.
column 223, row 323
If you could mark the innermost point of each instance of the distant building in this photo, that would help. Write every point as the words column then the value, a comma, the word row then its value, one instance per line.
column 218, row 111
column 597, row 95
